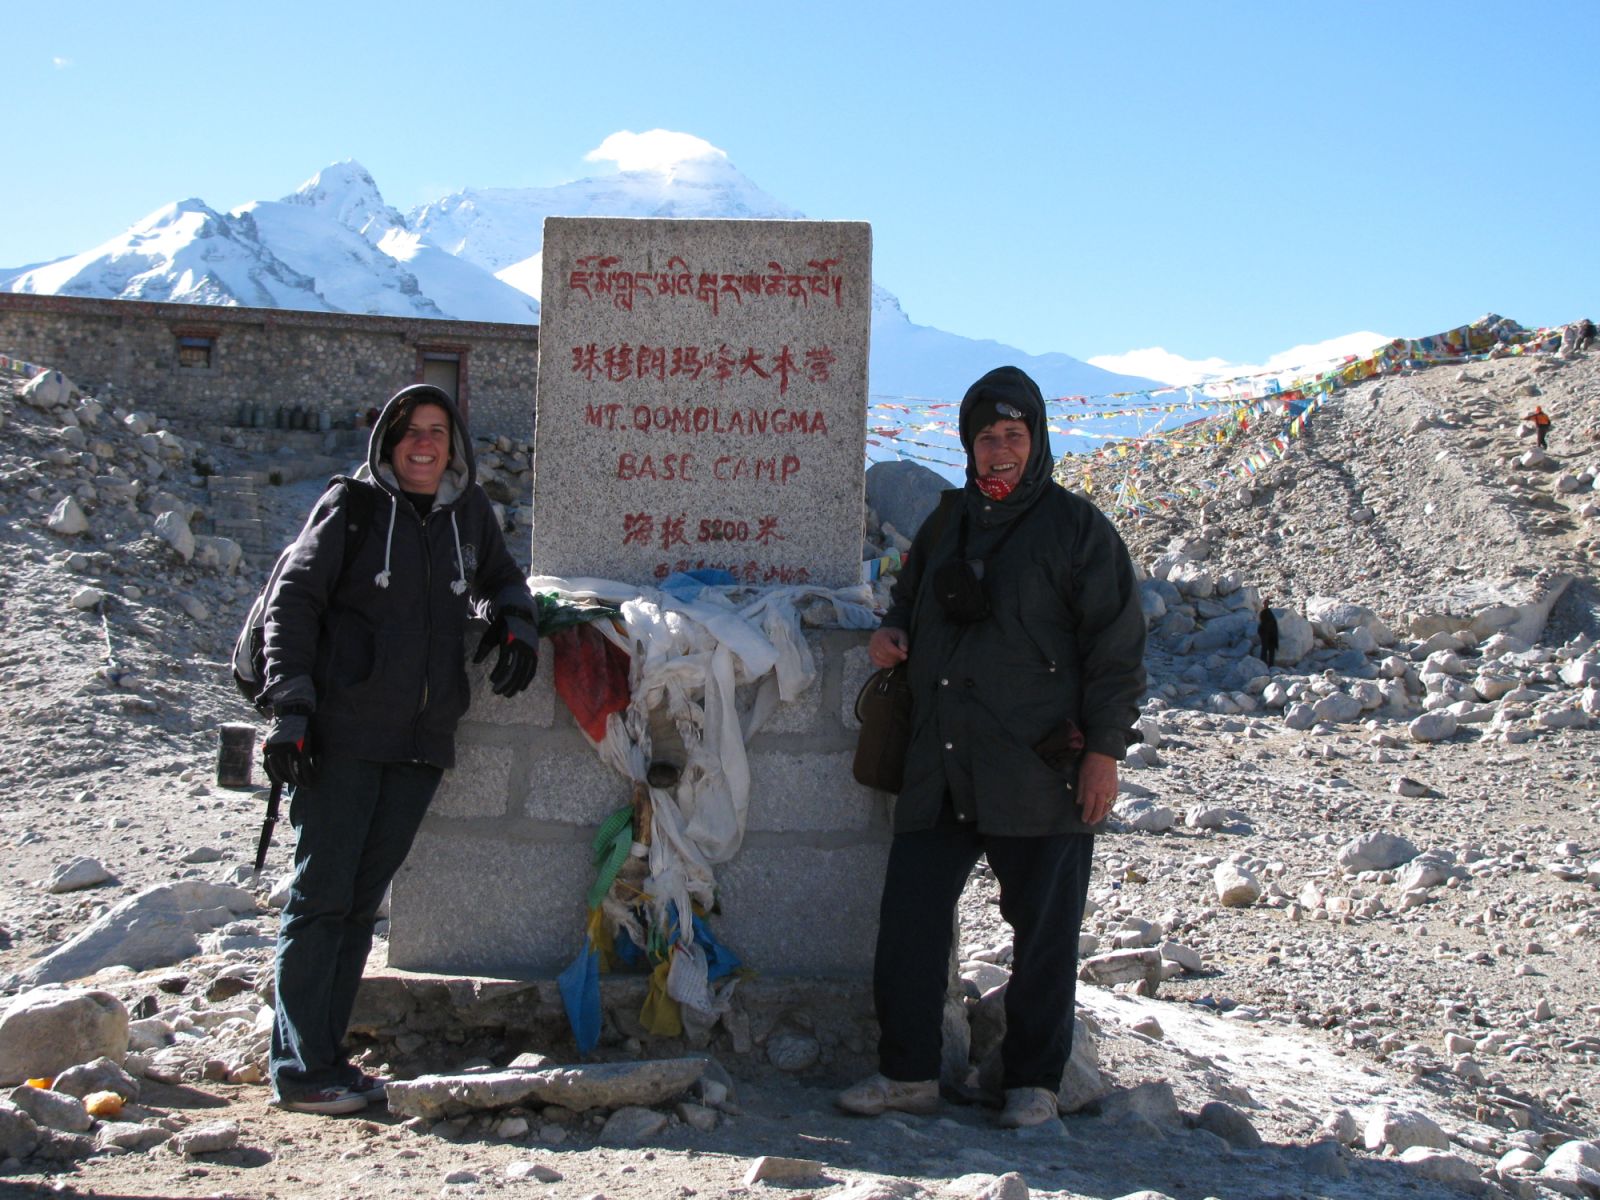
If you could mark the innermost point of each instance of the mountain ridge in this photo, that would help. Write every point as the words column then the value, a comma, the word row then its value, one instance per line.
column 335, row 245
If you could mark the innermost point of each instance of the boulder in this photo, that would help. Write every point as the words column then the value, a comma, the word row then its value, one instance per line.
column 1573, row 1168
column 100, row 1075
column 1237, row 886
column 49, row 389
column 1375, row 852
column 1403, row 1128
column 1229, row 1124
column 77, row 874
column 1432, row 727
column 1135, row 814
column 67, row 519
column 19, row 1134
column 219, row 553
column 48, row 1029
column 1440, row 1166
column 52, row 1109
column 903, row 493
column 154, row 928
column 175, row 532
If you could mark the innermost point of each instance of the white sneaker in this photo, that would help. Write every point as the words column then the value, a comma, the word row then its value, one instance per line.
column 1027, row 1106
column 877, row 1094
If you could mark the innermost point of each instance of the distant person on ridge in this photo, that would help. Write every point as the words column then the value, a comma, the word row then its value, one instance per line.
column 1267, row 627
column 365, row 674
column 1019, row 622
column 1541, row 423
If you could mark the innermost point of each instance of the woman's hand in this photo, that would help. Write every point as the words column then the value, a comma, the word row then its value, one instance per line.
column 888, row 647
column 1097, row 786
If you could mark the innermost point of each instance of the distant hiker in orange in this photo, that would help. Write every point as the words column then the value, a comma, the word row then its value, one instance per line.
column 1541, row 423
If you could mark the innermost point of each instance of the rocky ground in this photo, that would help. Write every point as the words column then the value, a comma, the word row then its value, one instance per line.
column 1344, row 935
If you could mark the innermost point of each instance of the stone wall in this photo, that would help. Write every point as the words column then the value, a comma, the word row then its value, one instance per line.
column 337, row 362
column 496, row 882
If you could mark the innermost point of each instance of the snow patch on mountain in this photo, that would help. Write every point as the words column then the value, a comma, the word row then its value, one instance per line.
column 345, row 191
column 1158, row 363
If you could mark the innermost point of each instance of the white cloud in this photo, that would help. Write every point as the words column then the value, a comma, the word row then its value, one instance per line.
column 655, row 150
column 1163, row 365
column 60, row 62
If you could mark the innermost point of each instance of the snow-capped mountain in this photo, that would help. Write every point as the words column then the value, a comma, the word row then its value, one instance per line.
column 334, row 245
column 331, row 246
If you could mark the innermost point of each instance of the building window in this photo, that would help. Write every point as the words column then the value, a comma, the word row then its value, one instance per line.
column 195, row 351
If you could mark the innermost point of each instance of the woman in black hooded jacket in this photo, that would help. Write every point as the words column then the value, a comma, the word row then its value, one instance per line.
column 1026, row 673
column 366, row 676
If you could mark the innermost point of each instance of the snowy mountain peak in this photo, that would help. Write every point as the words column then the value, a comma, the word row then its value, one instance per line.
column 662, row 174
column 346, row 192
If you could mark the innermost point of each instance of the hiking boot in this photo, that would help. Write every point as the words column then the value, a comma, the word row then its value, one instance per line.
column 371, row 1088
column 327, row 1102
column 1027, row 1106
column 877, row 1094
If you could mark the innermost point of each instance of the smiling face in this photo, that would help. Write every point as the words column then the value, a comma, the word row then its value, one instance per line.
column 423, row 451
column 1002, row 450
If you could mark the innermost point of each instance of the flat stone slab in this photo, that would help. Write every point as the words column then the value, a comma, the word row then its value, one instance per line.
column 1519, row 607
column 598, row 1085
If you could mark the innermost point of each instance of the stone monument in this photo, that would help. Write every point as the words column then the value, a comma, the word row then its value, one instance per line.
column 702, row 403
column 702, row 399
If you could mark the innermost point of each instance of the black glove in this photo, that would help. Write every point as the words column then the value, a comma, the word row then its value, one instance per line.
column 517, row 637
column 286, row 754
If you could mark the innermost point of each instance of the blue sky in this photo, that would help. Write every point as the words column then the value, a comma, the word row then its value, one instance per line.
column 1219, row 179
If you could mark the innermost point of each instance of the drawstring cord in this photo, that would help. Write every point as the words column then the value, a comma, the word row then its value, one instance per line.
column 460, row 584
column 382, row 577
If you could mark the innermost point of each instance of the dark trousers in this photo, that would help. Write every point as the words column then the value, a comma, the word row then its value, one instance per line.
column 354, row 826
column 1044, row 882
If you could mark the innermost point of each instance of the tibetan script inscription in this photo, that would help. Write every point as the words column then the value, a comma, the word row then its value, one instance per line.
column 702, row 399
column 606, row 277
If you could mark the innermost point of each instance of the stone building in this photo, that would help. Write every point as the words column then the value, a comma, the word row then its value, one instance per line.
column 213, row 365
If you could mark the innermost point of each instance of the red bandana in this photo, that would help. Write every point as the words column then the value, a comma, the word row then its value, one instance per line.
column 994, row 487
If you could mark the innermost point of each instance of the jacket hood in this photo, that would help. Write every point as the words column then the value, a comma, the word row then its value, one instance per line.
column 459, row 475
column 1010, row 385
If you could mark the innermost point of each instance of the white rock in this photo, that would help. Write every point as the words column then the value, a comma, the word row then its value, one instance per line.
column 1562, row 718
column 1403, row 1128
column 1237, row 886
column 48, row 1029
column 533, row 1170
column 1138, row 815
column 154, row 928
column 1515, row 1162
column 1185, row 956
column 174, row 530
column 68, row 519
column 1573, row 1168
column 1432, row 727
column 77, row 874
column 86, row 598
column 212, row 1137
column 221, row 553
column 1299, row 716
column 47, row 390
column 1340, row 707
column 1375, row 851
column 1441, row 1167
